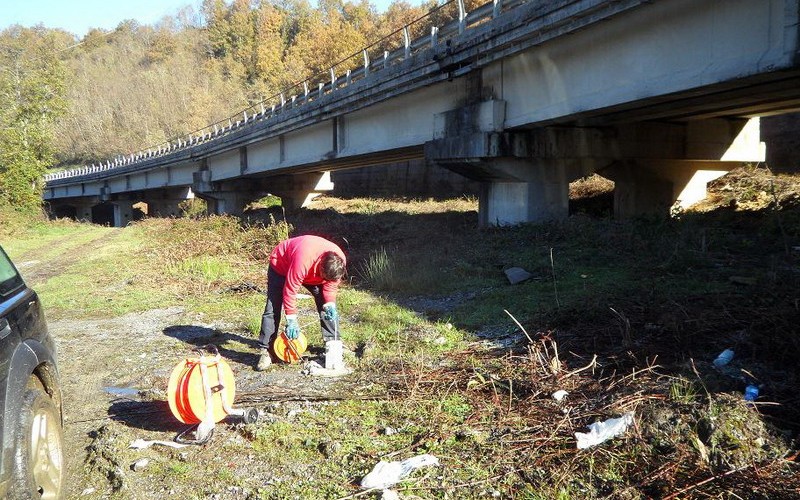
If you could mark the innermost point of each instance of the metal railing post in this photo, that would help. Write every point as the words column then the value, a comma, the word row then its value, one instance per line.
column 497, row 6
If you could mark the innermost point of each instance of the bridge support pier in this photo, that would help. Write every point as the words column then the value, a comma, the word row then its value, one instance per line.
column 163, row 208
column 123, row 213
column 661, row 186
column 79, row 209
column 297, row 191
column 83, row 210
column 225, row 202
column 515, row 191
column 167, row 203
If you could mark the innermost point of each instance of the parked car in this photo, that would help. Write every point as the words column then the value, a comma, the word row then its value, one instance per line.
column 32, row 458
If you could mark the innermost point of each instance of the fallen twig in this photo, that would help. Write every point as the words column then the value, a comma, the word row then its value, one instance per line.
column 591, row 364
column 519, row 325
column 358, row 494
column 706, row 481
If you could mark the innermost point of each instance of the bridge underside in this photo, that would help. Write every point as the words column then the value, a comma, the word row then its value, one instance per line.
column 525, row 173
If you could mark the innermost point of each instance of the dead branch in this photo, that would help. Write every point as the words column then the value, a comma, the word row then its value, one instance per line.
column 591, row 364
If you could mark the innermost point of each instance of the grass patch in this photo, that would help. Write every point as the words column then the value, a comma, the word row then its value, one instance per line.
column 378, row 271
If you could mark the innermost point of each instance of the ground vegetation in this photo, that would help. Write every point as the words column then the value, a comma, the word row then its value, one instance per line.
column 449, row 358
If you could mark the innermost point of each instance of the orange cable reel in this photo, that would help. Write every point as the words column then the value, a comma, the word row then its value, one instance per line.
column 290, row 350
column 193, row 380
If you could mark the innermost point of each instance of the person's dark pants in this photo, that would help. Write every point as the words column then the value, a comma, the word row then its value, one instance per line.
column 271, row 319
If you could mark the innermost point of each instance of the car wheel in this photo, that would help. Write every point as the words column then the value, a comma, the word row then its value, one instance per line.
column 39, row 443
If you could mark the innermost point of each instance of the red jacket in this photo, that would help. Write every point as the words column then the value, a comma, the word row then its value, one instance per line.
column 298, row 259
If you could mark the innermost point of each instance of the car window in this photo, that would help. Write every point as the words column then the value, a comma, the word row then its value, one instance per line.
column 10, row 280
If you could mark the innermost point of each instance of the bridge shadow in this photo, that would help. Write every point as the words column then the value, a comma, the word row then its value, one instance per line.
column 447, row 267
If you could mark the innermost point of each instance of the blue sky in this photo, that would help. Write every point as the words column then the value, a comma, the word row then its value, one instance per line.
column 78, row 16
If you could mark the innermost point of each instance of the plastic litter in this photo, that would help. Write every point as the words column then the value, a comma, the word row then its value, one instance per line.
column 560, row 395
column 141, row 444
column 724, row 358
column 390, row 495
column 751, row 392
column 600, row 432
column 386, row 474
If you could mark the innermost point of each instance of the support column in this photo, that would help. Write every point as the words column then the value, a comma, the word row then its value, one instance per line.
column 297, row 191
column 780, row 132
column 83, row 210
column 660, row 186
column 523, row 191
column 221, row 198
column 123, row 212
column 225, row 202
column 163, row 208
column 167, row 203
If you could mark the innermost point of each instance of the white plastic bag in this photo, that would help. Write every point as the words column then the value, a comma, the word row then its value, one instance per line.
column 386, row 474
column 600, row 432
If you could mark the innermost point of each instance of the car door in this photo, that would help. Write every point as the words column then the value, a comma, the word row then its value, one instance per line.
column 14, row 300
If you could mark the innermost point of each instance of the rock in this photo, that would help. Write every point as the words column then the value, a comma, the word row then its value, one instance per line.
column 517, row 275
column 140, row 464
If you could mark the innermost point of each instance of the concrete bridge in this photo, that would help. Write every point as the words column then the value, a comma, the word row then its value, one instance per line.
column 660, row 96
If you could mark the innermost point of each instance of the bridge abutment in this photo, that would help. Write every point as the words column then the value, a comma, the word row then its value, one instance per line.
column 660, row 187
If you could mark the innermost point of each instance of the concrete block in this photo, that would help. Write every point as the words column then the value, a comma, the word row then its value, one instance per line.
column 517, row 275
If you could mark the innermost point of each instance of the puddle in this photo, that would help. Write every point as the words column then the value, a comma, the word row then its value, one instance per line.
column 122, row 391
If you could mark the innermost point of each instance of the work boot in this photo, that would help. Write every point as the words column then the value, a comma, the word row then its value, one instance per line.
column 264, row 360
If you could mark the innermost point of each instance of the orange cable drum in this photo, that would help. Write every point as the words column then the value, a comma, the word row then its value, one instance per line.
column 186, row 391
column 284, row 351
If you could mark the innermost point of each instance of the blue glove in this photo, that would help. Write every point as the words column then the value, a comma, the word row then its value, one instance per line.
column 292, row 328
column 329, row 312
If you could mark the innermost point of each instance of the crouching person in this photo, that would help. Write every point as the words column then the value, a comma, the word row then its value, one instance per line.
column 310, row 261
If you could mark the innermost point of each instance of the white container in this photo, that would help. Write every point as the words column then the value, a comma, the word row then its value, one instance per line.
column 333, row 355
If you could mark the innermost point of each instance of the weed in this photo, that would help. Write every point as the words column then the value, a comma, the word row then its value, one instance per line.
column 378, row 271
column 456, row 406
column 206, row 267
column 193, row 208
column 683, row 391
column 178, row 469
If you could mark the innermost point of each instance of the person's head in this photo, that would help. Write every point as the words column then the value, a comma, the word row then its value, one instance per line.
column 332, row 267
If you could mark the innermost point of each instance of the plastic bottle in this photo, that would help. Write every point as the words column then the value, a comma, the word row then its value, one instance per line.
column 724, row 358
column 751, row 393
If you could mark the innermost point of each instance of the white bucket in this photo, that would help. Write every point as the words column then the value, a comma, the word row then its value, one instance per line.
column 333, row 355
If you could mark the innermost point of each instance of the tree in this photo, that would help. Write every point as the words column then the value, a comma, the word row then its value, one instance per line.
column 32, row 96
